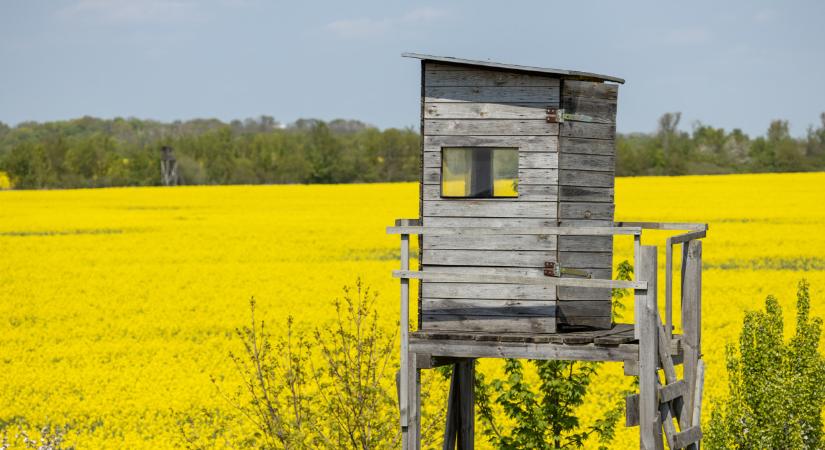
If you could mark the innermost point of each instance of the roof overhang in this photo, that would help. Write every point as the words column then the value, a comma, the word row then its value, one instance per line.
column 516, row 68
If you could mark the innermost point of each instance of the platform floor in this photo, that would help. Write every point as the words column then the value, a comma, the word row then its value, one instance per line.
column 615, row 344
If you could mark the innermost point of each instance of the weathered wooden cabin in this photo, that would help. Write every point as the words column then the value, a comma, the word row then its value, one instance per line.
column 515, row 238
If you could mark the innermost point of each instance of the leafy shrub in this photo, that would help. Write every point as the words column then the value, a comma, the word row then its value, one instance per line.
column 776, row 389
column 333, row 390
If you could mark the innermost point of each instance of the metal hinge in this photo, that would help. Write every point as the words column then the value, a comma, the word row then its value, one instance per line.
column 557, row 115
column 551, row 269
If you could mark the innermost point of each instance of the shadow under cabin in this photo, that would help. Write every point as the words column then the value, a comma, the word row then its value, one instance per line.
column 516, row 233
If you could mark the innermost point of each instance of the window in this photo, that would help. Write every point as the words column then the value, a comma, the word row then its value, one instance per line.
column 479, row 172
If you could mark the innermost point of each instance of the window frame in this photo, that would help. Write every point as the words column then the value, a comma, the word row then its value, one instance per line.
column 492, row 157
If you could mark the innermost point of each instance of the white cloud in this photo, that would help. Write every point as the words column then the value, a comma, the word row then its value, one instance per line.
column 369, row 27
column 688, row 36
column 132, row 11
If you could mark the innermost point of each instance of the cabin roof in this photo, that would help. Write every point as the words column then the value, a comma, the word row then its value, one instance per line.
column 515, row 67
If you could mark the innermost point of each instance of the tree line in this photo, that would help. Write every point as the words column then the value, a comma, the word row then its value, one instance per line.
column 92, row 152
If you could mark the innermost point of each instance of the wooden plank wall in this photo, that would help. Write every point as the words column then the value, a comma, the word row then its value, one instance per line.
column 586, row 175
column 466, row 106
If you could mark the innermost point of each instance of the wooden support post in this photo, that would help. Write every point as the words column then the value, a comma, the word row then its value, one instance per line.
column 460, row 427
column 691, row 314
column 453, row 411
column 466, row 434
column 414, row 407
column 697, row 394
column 669, row 288
column 650, row 430
column 637, row 306
column 406, row 364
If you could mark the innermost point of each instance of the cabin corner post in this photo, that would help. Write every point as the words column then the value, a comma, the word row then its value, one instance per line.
column 692, row 313
column 650, row 430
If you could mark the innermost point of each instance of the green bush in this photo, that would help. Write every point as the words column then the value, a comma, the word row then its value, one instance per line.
column 776, row 389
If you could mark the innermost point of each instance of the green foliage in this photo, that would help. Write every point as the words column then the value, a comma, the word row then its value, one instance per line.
column 709, row 150
column 334, row 389
column 543, row 416
column 90, row 152
column 624, row 271
column 776, row 389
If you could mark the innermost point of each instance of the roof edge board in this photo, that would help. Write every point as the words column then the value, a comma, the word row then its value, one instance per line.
column 513, row 67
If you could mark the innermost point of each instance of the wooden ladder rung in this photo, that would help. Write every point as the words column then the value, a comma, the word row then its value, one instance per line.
column 671, row 391
column 690, row 436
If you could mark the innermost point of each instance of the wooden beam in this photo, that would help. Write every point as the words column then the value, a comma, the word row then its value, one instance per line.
column 493, row 231
column 458, row 277
column 665, row 225
column 543, row 351
column 466, row 404
column 696, row 418
column 451, row 427
column 414, row 397
column 691, row 313
column 404, row 400
column 649, row 431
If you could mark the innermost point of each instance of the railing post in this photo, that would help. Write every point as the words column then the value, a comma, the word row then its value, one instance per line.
column 691, row 313
column 650, row 428
column 638, row 308
column 404, row 388
column 669, row 288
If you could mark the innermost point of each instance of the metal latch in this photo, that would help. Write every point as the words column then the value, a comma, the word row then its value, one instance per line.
column 551, row 269
column 557, row 115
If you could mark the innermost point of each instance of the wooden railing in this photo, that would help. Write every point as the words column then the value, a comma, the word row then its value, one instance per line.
column 648, row 324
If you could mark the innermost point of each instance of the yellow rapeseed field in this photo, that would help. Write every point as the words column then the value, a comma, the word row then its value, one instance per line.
column 117, row 305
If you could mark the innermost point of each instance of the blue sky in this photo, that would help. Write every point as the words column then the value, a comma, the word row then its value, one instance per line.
column 735, row 64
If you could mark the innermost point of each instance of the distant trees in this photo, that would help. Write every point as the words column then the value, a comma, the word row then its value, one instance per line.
column 91, row 152
column 708, row 150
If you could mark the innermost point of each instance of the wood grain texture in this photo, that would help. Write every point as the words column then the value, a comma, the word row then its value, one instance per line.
column 525, row 350
column 585, row 259
column 574, row 161
column 585, row 194
column 523, row 143
column 445, row 75
column 535, row 111
column 506, row 271
column 692, row 313
column 486, row 222
column 494, row 258
column 526, row 193
column 587, row 130
column 526, row 160
column 649, row 425
column 492, row 324
column 477, row 208
column 490, row 291
column 585, row 178
column 587, row 146
column 489, row 127
column 585, row 211
column 432, row 175
column 492, row 94
column 506, row 242
column 591, row 89
column 489, row 307
column 600, row 110
column 586, row 244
